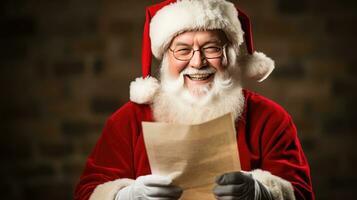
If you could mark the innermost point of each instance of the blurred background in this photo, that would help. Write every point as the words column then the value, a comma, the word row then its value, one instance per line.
column 66, row 65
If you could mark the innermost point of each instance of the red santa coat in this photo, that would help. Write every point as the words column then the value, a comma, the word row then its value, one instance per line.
column 267, row 140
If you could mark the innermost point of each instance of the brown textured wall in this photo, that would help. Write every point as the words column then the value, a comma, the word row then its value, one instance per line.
column 67, row 64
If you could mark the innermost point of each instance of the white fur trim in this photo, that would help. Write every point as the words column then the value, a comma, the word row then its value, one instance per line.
column 142, row 90
column 257, row 66
column 108, row 190
column 280, row 188
column 188, row 15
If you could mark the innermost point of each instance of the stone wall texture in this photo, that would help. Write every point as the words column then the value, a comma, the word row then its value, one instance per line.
column 66, row 65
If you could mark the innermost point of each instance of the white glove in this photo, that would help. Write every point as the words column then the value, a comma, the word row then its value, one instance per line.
column 150, row 187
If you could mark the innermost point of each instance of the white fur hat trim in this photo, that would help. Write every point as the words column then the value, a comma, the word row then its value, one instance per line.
column 143, row 90
column 187, row 15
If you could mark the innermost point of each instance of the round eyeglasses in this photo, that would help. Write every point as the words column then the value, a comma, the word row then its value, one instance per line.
column 186, row 53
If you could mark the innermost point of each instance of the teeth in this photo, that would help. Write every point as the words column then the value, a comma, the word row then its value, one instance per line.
column 198, row 77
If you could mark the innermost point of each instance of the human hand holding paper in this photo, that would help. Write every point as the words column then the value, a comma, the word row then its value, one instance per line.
column 192, row 155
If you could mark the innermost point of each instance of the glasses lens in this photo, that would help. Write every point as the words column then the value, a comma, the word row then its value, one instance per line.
column 212, row 52
column 183, row 53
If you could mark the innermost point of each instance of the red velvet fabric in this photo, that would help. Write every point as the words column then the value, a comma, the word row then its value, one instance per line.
column 267, row 139
column 146, row 54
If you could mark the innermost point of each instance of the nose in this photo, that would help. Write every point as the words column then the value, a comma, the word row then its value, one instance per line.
column 197, row 60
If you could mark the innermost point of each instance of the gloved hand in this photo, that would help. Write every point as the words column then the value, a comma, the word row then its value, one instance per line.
column 150, row 187
column 238, row 186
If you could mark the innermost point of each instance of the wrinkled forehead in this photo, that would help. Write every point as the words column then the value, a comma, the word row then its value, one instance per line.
column 200, row 36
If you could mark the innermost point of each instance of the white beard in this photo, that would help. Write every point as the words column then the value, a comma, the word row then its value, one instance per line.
column 176, row 104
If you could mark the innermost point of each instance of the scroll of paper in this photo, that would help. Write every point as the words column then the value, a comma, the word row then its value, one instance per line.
column 192, row 155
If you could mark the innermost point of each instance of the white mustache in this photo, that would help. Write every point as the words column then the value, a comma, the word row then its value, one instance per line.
column 191, row 70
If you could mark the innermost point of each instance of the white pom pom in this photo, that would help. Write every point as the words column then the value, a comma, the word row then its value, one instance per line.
column 142, row 90
column 257, row 66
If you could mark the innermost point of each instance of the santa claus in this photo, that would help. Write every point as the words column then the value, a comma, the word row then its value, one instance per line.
column 202, row 66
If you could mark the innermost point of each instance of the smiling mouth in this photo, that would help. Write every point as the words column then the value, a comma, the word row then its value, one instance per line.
column 199, row 77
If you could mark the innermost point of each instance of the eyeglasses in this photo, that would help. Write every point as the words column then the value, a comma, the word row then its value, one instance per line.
column 186, row 53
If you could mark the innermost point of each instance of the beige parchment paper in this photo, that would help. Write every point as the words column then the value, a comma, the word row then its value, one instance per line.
column 192, row 155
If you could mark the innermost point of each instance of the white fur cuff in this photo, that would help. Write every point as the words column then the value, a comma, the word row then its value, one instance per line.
column 279, row 188
column 108, row 190
column 142, row 90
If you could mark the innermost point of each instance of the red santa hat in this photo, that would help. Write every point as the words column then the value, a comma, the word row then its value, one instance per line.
column 169, row 18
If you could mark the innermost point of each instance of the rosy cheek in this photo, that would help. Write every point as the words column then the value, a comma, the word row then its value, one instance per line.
column 221, row 67
column 217, row 64
column 176, row 67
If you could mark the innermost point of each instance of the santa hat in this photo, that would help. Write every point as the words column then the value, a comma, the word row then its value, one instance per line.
column 169, row 18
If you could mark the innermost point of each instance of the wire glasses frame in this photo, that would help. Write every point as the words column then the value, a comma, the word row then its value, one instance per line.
column 186, row 54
